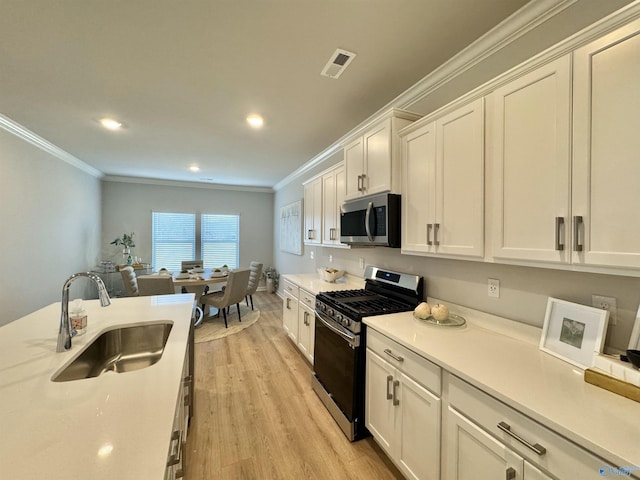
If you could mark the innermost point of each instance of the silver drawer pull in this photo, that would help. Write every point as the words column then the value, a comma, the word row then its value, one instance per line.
column 174, row 458
column 436, row 229
column 577, row 244
column 559, row 230
column 393, row 355
column 389, row 379
column 429, row 227
column 537, row 448
column 396, row 402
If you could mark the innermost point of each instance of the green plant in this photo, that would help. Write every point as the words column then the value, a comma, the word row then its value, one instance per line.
column 126, row 240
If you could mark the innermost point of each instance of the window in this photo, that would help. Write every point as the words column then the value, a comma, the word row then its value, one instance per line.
column 220, row 239
column 187, row 236
column 174, row 239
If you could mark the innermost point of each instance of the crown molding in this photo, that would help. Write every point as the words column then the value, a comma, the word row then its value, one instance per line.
column 178, row 183
column 513, row 27
column 28, row 136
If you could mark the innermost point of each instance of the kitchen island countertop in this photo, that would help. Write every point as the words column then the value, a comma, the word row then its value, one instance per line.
column 117, row 425
column 502, row 358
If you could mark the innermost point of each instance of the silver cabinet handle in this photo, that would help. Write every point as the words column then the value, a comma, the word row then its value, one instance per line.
column 537, row 448
column 396, row 402
column 559, row 230
column 364, row 177
column 577, row 244
column 360, row 183
column 332, row 234
column 511, row 473
column 367, row 216
column 306, row 318
column 393, row 355
column 436, row 229
column 287, row 303
column 174, row 458
column 389, row 379
column 429, row 227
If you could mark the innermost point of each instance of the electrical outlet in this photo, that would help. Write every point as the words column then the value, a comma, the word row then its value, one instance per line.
column 361, row 262
column 311, row 254
column 330, row 258
column 493, row 285
column 606, row 303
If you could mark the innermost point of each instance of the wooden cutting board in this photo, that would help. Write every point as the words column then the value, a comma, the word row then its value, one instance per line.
column 612, row 384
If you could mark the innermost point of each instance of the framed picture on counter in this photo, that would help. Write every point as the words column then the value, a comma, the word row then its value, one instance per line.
column 573, row 332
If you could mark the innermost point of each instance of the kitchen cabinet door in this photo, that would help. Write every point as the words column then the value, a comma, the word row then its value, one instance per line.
column 606, row 143
column 418, row 435
column 418, row 192
column 306, row 326
column 531, row 167
column 354, row 168
column 377, row 155
column 333, row 193
column 290, row 316
column 533, row 473
column 459, row 222
column 473, row 454
column 379, row 409
column 312, row 211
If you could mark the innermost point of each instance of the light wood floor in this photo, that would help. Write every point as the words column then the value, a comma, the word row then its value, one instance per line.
column 256, row 416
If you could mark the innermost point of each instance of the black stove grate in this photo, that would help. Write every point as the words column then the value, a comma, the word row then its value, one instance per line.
column 362, row 303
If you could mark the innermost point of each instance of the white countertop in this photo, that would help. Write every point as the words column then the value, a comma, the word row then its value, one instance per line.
column 506, row 363
column 314, row 284
column 115, row 426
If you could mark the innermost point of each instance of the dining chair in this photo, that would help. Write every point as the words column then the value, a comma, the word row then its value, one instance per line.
column 155, row 285
column 234, row 292
column 255, row 269
column 130, row 281
column 189, row 264
column 163, row 285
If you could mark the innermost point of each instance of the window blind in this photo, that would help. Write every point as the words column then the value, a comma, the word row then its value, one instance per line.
column 220, row 240
column 174, row 239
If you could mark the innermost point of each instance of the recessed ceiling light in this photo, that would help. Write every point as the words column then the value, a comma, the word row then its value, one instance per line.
column 110, row 123
column 255, row 120
column 194, row 168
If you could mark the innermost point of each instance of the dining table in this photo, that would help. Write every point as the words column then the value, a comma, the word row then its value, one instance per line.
column 209, row 276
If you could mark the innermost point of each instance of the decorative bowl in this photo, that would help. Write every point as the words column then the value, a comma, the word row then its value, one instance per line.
column 330, row 274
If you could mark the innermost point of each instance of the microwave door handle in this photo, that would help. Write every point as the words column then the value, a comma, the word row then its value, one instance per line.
column 367, row 218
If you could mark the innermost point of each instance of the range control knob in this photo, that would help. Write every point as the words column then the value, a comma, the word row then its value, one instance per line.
column 330, row 312
column 346, row 322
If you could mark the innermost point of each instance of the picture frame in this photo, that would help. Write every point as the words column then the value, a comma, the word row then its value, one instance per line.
column 573, row 332
column 634, row 341
column 291, row 221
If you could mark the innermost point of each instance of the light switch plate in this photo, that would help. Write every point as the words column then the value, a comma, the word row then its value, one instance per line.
column 606, row 303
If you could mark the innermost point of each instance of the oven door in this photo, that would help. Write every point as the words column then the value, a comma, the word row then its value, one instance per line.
column 338, row 359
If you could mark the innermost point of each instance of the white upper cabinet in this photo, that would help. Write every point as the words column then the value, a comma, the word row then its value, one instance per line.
column 333, row 193
column 606, row 146
column 530, row 157
column 443, row 184
column 372, row 160
column 313, row 211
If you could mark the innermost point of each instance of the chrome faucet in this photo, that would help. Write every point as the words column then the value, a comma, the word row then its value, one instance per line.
column 66, row 329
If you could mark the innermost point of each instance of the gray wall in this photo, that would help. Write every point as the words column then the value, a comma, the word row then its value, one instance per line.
column 50, row 217
column 523, row 290
column 127, row 207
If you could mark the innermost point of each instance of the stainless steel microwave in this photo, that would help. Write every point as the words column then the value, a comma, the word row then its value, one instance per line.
column 373, row 220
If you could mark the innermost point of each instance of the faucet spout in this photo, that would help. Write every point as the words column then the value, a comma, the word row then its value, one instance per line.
column 66, row 330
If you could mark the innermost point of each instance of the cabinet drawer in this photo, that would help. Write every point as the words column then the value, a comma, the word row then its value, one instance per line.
column 307, row 298
column 426, row 373
column 291, row 287
column 562, row 458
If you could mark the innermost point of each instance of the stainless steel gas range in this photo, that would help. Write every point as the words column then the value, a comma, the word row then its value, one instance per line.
column 340, row 340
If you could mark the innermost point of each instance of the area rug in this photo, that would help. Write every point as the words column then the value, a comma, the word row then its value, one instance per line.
column 212, row 327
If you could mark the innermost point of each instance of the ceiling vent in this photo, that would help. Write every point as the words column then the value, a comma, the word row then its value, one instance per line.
column 337, row 63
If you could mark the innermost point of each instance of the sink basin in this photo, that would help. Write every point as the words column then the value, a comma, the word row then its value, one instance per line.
column 120, row 350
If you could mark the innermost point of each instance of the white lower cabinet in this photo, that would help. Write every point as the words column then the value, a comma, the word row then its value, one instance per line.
column 290, row 310
column 176, row 457
column 401, row 413
column 306, row 323
column 486, row 439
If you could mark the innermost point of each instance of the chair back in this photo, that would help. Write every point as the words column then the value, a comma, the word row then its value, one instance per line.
column 155, row 285
column 237, row 282
column 189, row 264
column 130, row 282
column 255, row 270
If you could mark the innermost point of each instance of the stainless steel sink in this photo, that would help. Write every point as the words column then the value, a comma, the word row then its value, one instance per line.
column 120, row 350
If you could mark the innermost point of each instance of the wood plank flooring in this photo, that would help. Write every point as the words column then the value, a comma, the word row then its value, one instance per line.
column 256, row 416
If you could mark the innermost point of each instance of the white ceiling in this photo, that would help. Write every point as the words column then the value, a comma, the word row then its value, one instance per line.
column 183, row 75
